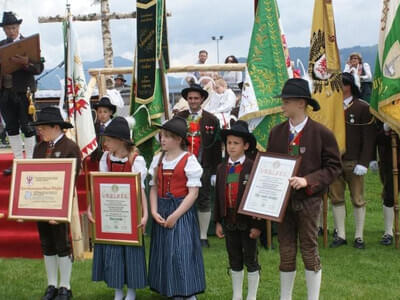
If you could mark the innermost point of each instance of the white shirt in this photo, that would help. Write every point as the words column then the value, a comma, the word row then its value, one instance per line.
column 367, row 77
column 58, row 138
column 139, row 165
column 240, row 160
column 193, row 169
column 106, row 123
column 298, row 127
column 347, row 101
column 199, row 113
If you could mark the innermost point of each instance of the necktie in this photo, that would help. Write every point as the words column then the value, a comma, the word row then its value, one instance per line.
column 50, row 148
column 193, row 116
column 102, row 128
column 292, row 134
column 232, row 167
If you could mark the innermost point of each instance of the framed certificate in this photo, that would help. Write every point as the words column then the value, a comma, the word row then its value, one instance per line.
column 268, row 191
column 42, row 189
column 29, row 46
column 116, row 207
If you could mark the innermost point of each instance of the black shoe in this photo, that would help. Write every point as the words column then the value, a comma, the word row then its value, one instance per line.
column 51, row 293
column 359, row 243
column 204, row 243
column 387, row 240
column 64, row 294
column 7, row 172
column 337, row 242
column 334, row 233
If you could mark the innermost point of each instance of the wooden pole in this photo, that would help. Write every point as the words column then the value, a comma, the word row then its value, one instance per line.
column 176, row 69
column 269, row 235
column 89, row 17
column 395, row 188
column 205, row 68
column 325, row 219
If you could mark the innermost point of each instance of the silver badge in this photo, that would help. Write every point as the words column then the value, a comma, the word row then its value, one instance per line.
column 57, row 154
column 302, row 150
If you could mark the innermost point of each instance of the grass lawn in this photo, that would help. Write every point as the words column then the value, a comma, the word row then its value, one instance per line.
column 348, row 273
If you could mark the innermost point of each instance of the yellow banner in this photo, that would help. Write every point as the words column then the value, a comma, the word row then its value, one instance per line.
column 324, row 70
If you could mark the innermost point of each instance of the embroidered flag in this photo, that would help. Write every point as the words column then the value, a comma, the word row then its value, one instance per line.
column 385, row 99
column 79, row 112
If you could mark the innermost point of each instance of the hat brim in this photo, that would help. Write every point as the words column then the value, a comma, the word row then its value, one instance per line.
column 130, row 142
column 112, row 107
column 13, row 23
column 62, row 124
column 174, row 132
column 203, row 93
column 248, row 137
column 310, row 101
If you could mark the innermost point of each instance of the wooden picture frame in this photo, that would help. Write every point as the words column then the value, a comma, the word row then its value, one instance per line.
column 29, row 46
column 42, row 189
column 116, row 203
column 268, row 191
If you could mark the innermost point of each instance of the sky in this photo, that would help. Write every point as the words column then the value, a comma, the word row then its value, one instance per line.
column 191, row 26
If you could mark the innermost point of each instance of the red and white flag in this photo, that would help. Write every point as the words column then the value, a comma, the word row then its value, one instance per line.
column 78, row 96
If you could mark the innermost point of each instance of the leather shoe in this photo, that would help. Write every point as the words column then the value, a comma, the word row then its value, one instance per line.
column 64, row 294
column 387, row 240
column 8, row 171
column 51, row 293
column 359, row 243
column 204, row 244
column 337, row 242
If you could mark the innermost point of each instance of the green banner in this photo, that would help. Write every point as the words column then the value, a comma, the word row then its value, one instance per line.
column 385, row 98
column 267, row 73
column 147, row 106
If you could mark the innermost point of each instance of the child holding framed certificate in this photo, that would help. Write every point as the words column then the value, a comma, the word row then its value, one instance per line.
column 120, row 265
column 240, row 231
column 54, row 236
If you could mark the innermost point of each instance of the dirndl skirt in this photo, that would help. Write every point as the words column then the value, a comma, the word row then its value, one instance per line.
column 119, row 265
column 176, row 267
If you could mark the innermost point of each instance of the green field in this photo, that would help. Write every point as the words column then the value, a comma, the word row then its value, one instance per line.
column 348, row 273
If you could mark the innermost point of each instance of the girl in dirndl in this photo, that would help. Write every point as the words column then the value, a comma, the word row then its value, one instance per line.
column 176, row 266
column 120, row 265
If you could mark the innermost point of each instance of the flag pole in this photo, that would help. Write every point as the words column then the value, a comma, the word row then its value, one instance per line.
column 76, row 229
column 395, row 188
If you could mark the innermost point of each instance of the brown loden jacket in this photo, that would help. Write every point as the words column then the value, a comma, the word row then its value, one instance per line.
column 210, row 146
column 220, row 211
column 360, row 133
column 320, row 163
column 64, row 148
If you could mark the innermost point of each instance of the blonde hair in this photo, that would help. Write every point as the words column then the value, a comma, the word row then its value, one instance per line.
column 221, row 82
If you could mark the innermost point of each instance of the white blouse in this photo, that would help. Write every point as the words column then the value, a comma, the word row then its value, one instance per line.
column 193, row 169
column 139, row 165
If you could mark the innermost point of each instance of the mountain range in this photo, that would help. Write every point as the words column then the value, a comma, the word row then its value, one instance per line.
column 51, row 81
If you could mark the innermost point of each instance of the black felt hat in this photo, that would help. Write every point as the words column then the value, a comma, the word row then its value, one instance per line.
column 119, row 128
column 194, row 88
column 298, row 88
column 348, row 79
column 10, row 18
column 50, row 115
column 105, row 102
column 176, row 125
column 121, row 77
column 241, row 129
